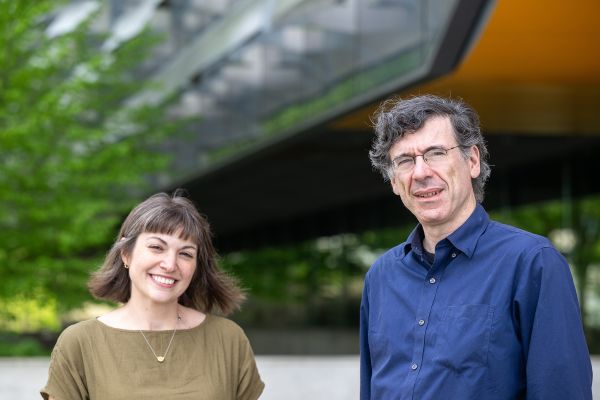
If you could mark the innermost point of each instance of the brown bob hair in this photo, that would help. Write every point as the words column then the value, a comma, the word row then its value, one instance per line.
column 209, row 289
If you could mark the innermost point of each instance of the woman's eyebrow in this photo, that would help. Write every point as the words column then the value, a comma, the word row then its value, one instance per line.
column 156, row 238
column 187, row 246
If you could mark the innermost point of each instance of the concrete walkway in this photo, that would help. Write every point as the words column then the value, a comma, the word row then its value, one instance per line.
column 286, row 377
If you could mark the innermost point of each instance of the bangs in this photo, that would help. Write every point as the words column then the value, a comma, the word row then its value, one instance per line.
column 175, row 221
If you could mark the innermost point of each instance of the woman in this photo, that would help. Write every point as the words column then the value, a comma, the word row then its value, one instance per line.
column 163, row 342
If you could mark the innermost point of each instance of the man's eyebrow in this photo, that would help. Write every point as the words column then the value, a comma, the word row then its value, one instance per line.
column 435, row 147
column 432, row 147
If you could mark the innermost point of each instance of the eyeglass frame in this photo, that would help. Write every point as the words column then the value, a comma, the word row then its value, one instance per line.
column 395, row 167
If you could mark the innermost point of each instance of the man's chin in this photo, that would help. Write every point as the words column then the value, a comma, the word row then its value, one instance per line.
column 431, row 216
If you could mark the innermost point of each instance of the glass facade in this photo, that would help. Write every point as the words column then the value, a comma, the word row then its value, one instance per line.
column 254, row 69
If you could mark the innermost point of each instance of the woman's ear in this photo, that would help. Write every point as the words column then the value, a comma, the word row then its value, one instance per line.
column 125, row 260
column 124, row 257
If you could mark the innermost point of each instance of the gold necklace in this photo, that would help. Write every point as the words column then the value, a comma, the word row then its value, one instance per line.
column 162, row 358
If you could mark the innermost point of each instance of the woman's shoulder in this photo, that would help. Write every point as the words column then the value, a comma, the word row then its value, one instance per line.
column 222, row 323
column 77, row 337
column 223, row 327
column 80, row 328
column 196, row 319
column 229, row 336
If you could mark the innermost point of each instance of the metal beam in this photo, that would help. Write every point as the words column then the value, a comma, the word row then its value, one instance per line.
column 246, row 20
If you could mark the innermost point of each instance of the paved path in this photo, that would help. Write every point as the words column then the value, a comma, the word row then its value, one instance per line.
column 286, row 377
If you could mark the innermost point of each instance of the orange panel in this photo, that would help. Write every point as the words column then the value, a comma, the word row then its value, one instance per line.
column 538, row 41
column 535, row 69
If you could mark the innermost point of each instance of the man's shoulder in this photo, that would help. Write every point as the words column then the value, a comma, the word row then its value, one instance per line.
column 388, row 257
column 516, row 237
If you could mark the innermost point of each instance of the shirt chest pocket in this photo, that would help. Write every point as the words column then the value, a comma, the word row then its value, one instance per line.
column 464, row 337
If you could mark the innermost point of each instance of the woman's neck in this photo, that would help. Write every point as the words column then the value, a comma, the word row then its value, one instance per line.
column 153, row 317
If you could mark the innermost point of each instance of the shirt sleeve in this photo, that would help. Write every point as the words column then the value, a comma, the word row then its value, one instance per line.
column 546, row 309
column 250, row 385
column 365, row 353
column 65, row 374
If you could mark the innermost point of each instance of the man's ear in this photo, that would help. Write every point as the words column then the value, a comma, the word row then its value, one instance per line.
column 395, row 186
column 474, row 162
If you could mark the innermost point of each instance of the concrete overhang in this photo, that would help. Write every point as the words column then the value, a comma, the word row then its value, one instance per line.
column 534, row 77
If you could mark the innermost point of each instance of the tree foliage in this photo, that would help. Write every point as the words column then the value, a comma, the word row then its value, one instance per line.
column 75, row 158
column 319, row 282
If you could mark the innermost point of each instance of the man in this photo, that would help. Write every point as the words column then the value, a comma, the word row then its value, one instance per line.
column 466, row 308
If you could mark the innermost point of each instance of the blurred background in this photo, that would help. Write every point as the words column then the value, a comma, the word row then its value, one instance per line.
column 261, row 110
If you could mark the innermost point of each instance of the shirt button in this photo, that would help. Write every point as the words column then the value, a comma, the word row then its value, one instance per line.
column 414, row 366
column 453, row 255
column 421, row 322
column 432, row 280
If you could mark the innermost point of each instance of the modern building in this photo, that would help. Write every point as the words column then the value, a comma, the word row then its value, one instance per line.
column 285, row 90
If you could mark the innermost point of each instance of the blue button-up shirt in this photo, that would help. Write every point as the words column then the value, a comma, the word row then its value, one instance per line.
column 495, row 316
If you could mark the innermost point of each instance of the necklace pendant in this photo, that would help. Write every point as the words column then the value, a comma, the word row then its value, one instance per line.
column 160, row 358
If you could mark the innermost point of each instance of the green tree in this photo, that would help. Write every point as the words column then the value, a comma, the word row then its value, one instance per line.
column 74, row 157
column 316, row 282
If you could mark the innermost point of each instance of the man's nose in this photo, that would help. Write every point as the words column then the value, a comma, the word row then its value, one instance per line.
column 421, row 168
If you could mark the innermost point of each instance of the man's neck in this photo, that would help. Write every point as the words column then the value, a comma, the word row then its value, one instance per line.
column 433, row 234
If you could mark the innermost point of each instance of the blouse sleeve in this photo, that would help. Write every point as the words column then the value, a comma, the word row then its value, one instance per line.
column 66, row 380
column 250, row 386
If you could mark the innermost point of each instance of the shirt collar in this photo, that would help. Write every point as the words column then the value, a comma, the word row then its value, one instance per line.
column 414, row 241
column 465, row 238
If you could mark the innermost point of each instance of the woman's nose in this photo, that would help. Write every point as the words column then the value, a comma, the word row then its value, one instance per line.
column 169, row 262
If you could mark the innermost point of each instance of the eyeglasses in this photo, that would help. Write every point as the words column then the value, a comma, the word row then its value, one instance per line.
column 432, row 157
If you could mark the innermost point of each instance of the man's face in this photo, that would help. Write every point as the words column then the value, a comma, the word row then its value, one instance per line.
column 439, row 195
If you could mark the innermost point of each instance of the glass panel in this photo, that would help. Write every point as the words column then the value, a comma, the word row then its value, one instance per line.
column 255, row 69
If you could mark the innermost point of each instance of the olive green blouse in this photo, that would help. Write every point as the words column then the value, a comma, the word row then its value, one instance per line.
column 213, row 360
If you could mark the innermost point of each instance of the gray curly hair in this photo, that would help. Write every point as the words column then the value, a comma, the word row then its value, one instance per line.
column 397, row 117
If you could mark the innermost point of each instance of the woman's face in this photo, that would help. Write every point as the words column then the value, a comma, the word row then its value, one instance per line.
column 161, row 267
